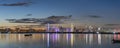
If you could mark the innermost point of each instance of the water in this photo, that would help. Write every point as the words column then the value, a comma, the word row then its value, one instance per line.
column 58, row 41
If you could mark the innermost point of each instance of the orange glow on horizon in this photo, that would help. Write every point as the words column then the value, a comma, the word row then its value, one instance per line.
column 15, row 24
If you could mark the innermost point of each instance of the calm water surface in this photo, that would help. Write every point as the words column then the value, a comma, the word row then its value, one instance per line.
column 58, row 41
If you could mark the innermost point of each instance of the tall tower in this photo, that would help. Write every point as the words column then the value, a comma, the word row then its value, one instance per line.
column 99, row 29
column 48, row 27
column 72, row 27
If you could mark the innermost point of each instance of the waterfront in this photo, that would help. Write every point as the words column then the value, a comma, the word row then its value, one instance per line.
column 59, row 41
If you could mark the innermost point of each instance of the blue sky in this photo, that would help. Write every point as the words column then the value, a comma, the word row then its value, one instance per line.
column 109, row 10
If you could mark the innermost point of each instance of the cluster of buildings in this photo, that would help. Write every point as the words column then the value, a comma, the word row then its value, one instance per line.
column 22, row 29
column 58, row 28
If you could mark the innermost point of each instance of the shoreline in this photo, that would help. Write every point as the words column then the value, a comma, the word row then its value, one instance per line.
column 60, row 32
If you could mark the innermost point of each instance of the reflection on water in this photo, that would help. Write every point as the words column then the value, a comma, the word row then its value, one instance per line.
column 58, row 41
column 99, row 38
column 48, row 38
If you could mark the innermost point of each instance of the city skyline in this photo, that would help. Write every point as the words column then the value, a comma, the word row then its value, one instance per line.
column 91, row 12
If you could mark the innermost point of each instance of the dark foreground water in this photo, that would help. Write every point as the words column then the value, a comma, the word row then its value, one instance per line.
column 59, row 41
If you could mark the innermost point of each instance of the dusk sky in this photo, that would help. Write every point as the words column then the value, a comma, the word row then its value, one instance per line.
column 81, row 10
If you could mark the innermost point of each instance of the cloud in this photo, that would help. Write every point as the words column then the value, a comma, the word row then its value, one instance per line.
column 112, row 24
column 16, row 4
column 50, row 20
column 34, row 20
column 93, row 16
column 29, row 15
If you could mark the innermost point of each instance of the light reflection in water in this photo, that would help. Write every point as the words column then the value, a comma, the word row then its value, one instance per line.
column 48, row 37
column 43, row 36
column 67, row 38
column 90, row 38
column 59, row 40
column 99, row 39
column 57, row 37
column 7, row 36
column 116, row 37
column 19, row 36
column 86, row 37
column 72, row 39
